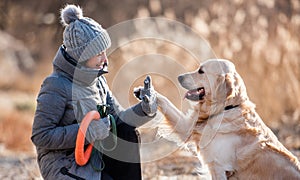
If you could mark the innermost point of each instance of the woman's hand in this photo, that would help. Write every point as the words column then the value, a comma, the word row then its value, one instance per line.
column 147, row 95
column 98, row 129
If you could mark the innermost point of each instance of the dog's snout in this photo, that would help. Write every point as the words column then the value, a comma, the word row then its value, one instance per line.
column 188, row 81
column 184, row 82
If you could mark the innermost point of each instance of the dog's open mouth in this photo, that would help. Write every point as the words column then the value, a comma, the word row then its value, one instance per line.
column 195, row 94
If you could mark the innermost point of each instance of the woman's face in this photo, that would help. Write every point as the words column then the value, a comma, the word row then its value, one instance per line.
column 97, row 62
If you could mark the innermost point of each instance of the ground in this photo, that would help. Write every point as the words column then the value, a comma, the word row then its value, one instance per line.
column 179, row 165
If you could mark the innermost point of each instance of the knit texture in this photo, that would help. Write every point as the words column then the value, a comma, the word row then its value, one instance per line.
column 83, row 37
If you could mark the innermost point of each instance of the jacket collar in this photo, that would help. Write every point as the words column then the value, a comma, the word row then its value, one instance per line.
column 76, row 72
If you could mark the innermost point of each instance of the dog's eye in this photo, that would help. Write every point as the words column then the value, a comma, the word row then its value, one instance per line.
column 200, row 71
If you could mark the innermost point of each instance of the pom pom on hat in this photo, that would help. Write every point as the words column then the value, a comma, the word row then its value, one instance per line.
column 70, row 13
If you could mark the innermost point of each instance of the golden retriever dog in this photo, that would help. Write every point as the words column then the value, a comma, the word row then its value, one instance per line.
column 230, row 136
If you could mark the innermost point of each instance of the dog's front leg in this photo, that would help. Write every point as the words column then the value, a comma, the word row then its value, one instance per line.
column 180, row 122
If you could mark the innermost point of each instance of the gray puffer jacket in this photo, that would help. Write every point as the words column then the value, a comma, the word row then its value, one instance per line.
column 64, row 98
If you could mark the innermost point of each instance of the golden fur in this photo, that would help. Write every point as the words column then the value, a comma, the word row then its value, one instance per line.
column 230, row 136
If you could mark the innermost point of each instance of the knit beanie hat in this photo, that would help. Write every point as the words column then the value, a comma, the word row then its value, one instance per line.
column 83, row 37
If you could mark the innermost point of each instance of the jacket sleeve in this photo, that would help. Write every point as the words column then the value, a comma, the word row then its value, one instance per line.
column 51, row 104
column 134, row 116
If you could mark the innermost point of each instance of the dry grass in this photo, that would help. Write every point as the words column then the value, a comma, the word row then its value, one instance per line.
column 16, row 131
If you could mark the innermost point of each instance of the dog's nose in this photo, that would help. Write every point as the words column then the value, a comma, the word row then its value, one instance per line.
column 180, row 78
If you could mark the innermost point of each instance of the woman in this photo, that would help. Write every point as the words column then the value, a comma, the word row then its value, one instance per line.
column 75, row 87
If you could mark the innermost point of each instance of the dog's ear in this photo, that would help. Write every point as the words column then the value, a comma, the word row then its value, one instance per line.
column 230, row 85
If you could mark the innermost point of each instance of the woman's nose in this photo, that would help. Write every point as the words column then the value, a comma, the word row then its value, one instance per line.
column 104, row 57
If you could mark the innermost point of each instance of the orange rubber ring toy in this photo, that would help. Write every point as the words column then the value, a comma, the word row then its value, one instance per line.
column 81, row 156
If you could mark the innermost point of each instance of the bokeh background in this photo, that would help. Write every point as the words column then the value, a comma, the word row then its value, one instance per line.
column 260, row 37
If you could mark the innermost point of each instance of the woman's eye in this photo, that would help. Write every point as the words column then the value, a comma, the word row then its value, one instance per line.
column 200, row 71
